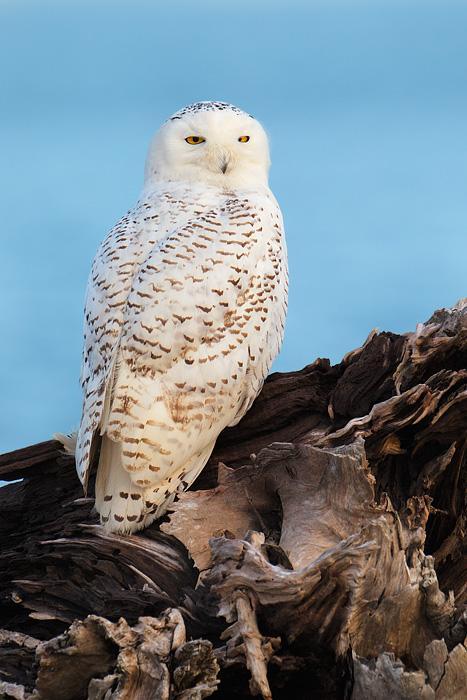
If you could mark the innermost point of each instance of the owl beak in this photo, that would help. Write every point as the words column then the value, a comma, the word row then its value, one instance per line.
column 219, row 159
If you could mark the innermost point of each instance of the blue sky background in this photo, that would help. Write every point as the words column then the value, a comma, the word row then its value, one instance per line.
column 366, row 107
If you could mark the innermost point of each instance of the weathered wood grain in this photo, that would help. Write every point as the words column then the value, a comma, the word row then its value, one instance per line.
column 325, row 557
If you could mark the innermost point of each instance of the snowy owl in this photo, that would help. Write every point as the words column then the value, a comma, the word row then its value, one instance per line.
column 184, row 313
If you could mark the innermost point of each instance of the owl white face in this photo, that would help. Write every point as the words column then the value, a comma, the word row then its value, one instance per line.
column 219, row 146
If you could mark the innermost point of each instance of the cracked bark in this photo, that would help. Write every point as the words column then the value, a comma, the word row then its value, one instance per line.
column 321, row 554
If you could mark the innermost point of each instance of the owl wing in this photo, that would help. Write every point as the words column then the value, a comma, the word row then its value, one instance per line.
column 114, row 268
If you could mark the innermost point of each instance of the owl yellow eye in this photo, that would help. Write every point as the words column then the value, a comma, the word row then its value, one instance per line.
column 244, row 139
column 195, row 139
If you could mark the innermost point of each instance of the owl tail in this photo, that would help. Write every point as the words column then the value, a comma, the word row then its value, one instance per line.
column 123, row 506
column 119, row 501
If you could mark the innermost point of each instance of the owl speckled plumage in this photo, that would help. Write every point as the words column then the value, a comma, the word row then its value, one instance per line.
column 184, row 314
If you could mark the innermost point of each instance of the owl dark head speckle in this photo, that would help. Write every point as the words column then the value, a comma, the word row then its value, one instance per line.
column 207, row 107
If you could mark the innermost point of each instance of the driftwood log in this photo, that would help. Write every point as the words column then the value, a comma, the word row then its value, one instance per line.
column 321, row 553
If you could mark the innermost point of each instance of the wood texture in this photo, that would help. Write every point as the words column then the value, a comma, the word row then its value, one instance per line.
column 321, row 553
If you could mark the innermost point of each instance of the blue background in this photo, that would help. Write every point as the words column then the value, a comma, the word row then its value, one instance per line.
column 366, row 107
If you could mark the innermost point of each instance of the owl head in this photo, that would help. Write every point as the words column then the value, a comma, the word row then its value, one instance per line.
column 210, row 142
